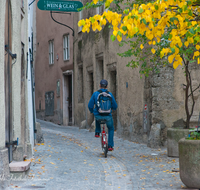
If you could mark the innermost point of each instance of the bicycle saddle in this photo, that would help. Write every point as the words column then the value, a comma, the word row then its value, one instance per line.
column 102, row 121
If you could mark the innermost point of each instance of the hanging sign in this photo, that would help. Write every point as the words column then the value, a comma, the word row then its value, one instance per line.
column 58, row 5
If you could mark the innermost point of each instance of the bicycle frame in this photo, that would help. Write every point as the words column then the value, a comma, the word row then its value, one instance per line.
column 104, row 137
column 104, row 141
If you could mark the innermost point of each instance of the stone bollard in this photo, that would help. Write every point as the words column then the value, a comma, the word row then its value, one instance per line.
column 39, row 135
column 154, row 140
column 92, row 127
column 83, row 124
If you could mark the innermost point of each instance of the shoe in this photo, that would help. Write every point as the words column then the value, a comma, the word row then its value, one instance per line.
column 110, row 148
column 97, row 135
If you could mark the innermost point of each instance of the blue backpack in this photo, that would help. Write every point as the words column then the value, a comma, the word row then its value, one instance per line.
column 104, row 103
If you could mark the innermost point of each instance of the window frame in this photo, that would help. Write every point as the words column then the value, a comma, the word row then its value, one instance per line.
column 51, row 52
column 66, row 46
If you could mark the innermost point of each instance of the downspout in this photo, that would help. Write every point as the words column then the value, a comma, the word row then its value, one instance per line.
column 9, row 92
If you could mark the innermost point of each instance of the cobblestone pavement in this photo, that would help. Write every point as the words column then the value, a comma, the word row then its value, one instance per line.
column 72, row 158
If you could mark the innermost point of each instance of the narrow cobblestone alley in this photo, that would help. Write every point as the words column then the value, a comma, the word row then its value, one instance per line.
column 71, row 158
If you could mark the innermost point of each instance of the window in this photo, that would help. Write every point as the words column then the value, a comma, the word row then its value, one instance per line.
column 58, row 88
column 66, row 47
column 51, row 52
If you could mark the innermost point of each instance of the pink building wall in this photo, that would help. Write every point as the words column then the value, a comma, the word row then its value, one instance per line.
column 46, row 75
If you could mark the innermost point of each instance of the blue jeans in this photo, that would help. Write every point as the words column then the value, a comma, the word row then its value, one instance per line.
column 109, row 123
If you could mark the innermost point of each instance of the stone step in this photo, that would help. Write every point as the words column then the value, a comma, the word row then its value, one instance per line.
column 19, row 166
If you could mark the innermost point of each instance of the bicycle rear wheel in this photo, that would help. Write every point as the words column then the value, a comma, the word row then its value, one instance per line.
column 105, row 151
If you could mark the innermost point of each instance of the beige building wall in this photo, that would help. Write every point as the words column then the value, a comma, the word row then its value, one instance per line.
column 18, row 35
column 18, row 84
column 16, row 69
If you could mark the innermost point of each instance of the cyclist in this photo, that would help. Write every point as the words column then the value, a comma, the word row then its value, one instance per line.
column 92, row 105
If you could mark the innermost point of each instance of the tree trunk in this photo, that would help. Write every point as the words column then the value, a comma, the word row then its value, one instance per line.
column 188, row 87
column 186, row 96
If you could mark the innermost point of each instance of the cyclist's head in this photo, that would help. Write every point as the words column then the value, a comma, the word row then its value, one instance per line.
column 103, row 83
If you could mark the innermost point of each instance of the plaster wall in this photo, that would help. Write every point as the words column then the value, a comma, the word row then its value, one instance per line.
column 46, row 75
column 18, row 34
column 16, row 70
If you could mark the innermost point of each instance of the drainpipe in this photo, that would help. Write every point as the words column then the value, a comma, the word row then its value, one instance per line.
column 9, row 92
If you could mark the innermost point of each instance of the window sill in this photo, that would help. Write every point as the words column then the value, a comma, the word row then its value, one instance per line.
column 67, row 60
column 51, row 64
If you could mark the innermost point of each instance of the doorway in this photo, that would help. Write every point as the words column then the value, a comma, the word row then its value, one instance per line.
column 68, row 98
column 91, row 84
column 90, row 89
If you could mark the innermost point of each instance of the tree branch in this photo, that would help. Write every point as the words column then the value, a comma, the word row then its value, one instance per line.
column 193, row 102
column 194, row 90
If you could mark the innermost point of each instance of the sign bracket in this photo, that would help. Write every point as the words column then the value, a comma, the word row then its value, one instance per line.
column 62, row 23
column 65, row 13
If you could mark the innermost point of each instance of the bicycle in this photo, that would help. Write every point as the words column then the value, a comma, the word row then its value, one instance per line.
column 104, row 141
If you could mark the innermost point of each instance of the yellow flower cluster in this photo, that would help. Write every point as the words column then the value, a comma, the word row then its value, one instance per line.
column 154, row 20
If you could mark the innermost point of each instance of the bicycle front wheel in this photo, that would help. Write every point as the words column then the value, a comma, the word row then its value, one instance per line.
column 105, row 151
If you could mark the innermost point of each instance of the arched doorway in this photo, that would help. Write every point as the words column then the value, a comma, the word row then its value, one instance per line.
column 8, row 78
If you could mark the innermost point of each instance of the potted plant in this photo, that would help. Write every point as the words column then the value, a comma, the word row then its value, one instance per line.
column 189, row 159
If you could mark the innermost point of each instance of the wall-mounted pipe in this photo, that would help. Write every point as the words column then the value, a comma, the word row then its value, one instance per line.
column 62, row 23
column 31, row 3
column 9, row 92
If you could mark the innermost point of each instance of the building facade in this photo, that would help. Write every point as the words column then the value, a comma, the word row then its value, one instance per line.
column 54, row 67
column 15, row 140
column 142, row 102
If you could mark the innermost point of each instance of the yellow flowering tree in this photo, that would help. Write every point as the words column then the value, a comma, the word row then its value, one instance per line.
column 166, row 30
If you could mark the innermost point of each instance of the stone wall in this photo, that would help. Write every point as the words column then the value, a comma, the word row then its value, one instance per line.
column 95, row 55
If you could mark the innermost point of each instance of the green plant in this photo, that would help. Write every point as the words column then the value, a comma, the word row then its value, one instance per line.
column 194, row 135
